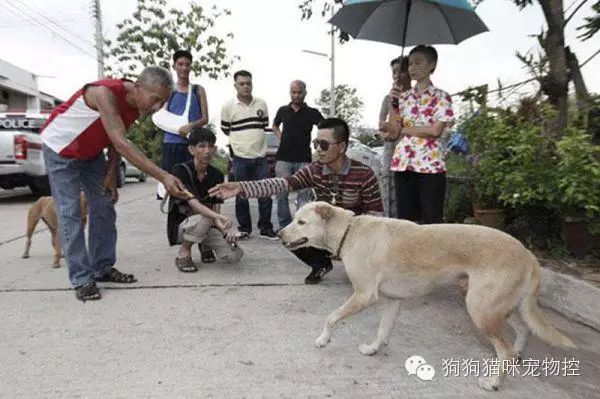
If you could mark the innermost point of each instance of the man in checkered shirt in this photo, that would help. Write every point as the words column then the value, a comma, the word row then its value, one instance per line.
column 334, row 178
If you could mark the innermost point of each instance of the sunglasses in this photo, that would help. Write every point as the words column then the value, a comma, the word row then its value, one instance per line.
column 323, row 144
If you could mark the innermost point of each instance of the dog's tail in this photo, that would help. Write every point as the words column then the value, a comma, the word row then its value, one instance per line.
column 535, row 319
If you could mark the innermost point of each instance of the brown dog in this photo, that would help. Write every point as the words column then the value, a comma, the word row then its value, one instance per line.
column 44, row 209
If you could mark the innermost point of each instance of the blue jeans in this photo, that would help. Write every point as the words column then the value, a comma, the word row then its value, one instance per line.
column 252, row 169
column 67, row 176
column 286, row 169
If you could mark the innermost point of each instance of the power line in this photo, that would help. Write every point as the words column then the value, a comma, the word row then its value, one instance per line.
column 53, row 22
column 589, row 59
column 572, row 4
column 574, row 12
column 64, row 17
column 36, row 22
column 523, row 82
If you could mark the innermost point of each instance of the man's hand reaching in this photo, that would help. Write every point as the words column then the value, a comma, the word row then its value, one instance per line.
column 225, row 190
column 176, row 188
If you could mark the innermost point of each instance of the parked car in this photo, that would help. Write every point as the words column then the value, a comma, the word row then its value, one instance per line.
column 364, row 154
column 379, row 151
column 272, row 147
column 127, row 169
column 21, row 156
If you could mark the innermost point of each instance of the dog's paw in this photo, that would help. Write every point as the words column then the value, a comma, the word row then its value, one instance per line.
column 322, row 341
column 489, row 383
column 367, row 350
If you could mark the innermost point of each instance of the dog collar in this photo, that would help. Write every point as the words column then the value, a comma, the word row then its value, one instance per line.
column 337, row 255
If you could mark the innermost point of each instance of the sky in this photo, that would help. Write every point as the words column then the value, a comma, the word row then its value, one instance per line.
column 269, row 37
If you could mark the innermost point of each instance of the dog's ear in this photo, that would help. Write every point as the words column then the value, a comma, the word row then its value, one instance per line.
column 325, row 211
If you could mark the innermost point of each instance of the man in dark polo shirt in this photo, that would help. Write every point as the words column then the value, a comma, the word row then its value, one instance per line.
column 294, row 150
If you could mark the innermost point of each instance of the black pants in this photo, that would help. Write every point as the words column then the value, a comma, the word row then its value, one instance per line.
column 420, row 196
column 313, row 257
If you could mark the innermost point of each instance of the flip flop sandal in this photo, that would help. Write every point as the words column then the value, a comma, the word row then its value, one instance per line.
column 208, row 256
column 88, row 292
column 185, row 264
column 115, row 276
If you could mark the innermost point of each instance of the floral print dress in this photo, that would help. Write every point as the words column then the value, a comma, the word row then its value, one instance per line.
column 415, row 154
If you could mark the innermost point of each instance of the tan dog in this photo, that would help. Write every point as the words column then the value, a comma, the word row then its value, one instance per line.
column 44, row 209
column 399, row 259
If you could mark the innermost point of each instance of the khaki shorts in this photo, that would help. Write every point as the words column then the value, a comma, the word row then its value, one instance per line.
column 198, row 229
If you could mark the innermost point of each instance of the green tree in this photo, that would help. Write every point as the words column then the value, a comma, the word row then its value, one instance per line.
column 554, row 83
column 592, row 23
column 307, row 8
column 367, row 135
column 348, row 104
column 153, row 33
column 150, row 36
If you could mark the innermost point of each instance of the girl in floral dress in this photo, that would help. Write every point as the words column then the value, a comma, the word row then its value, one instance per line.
column 421, row 116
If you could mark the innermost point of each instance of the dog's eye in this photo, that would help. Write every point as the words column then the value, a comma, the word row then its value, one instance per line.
column 301, row 222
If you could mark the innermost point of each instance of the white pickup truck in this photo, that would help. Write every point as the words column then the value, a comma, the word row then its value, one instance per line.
column 21, row 156
column 22, row 159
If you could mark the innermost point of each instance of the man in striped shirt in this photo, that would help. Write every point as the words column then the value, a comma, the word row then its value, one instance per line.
column 335, row 178
column 244, row 120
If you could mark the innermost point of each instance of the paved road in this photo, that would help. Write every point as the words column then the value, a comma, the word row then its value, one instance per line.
column 236, row 331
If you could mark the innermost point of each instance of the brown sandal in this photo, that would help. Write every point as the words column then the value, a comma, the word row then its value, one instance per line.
column 115, row 276
column 88, row 292
column 185, row 264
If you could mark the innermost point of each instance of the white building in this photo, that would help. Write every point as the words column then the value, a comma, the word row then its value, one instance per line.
column 19, row 91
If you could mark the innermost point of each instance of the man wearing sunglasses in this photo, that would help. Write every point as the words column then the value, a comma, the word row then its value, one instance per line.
column 334, row 178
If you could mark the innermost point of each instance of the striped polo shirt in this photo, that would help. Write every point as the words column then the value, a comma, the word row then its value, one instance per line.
column 245, row 125
column 74, row 130
column 355, row 188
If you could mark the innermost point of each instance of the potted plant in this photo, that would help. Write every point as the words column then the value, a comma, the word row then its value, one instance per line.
column 578, row 188
column 488, row 138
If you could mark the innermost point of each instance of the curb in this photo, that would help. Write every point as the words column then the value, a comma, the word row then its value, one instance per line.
column 574, row 298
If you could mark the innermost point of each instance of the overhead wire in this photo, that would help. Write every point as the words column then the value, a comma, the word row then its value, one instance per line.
column 53, row 22
column 20, row 13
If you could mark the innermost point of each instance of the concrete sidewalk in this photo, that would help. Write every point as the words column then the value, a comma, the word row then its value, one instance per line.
column 244, row 330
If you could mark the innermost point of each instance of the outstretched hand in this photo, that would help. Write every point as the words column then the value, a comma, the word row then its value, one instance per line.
column 225, row 190
column 231, row 237
column 176, row 188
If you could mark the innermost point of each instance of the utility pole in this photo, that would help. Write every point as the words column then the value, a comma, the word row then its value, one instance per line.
column 97, row 15
column 332, row 59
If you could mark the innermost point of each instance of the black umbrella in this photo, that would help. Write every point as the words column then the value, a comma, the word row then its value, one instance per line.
column 409, row 22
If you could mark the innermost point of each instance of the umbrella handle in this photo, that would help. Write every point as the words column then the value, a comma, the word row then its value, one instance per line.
column 408, row 7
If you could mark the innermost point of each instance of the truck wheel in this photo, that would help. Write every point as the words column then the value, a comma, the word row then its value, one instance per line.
column 121, row 176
